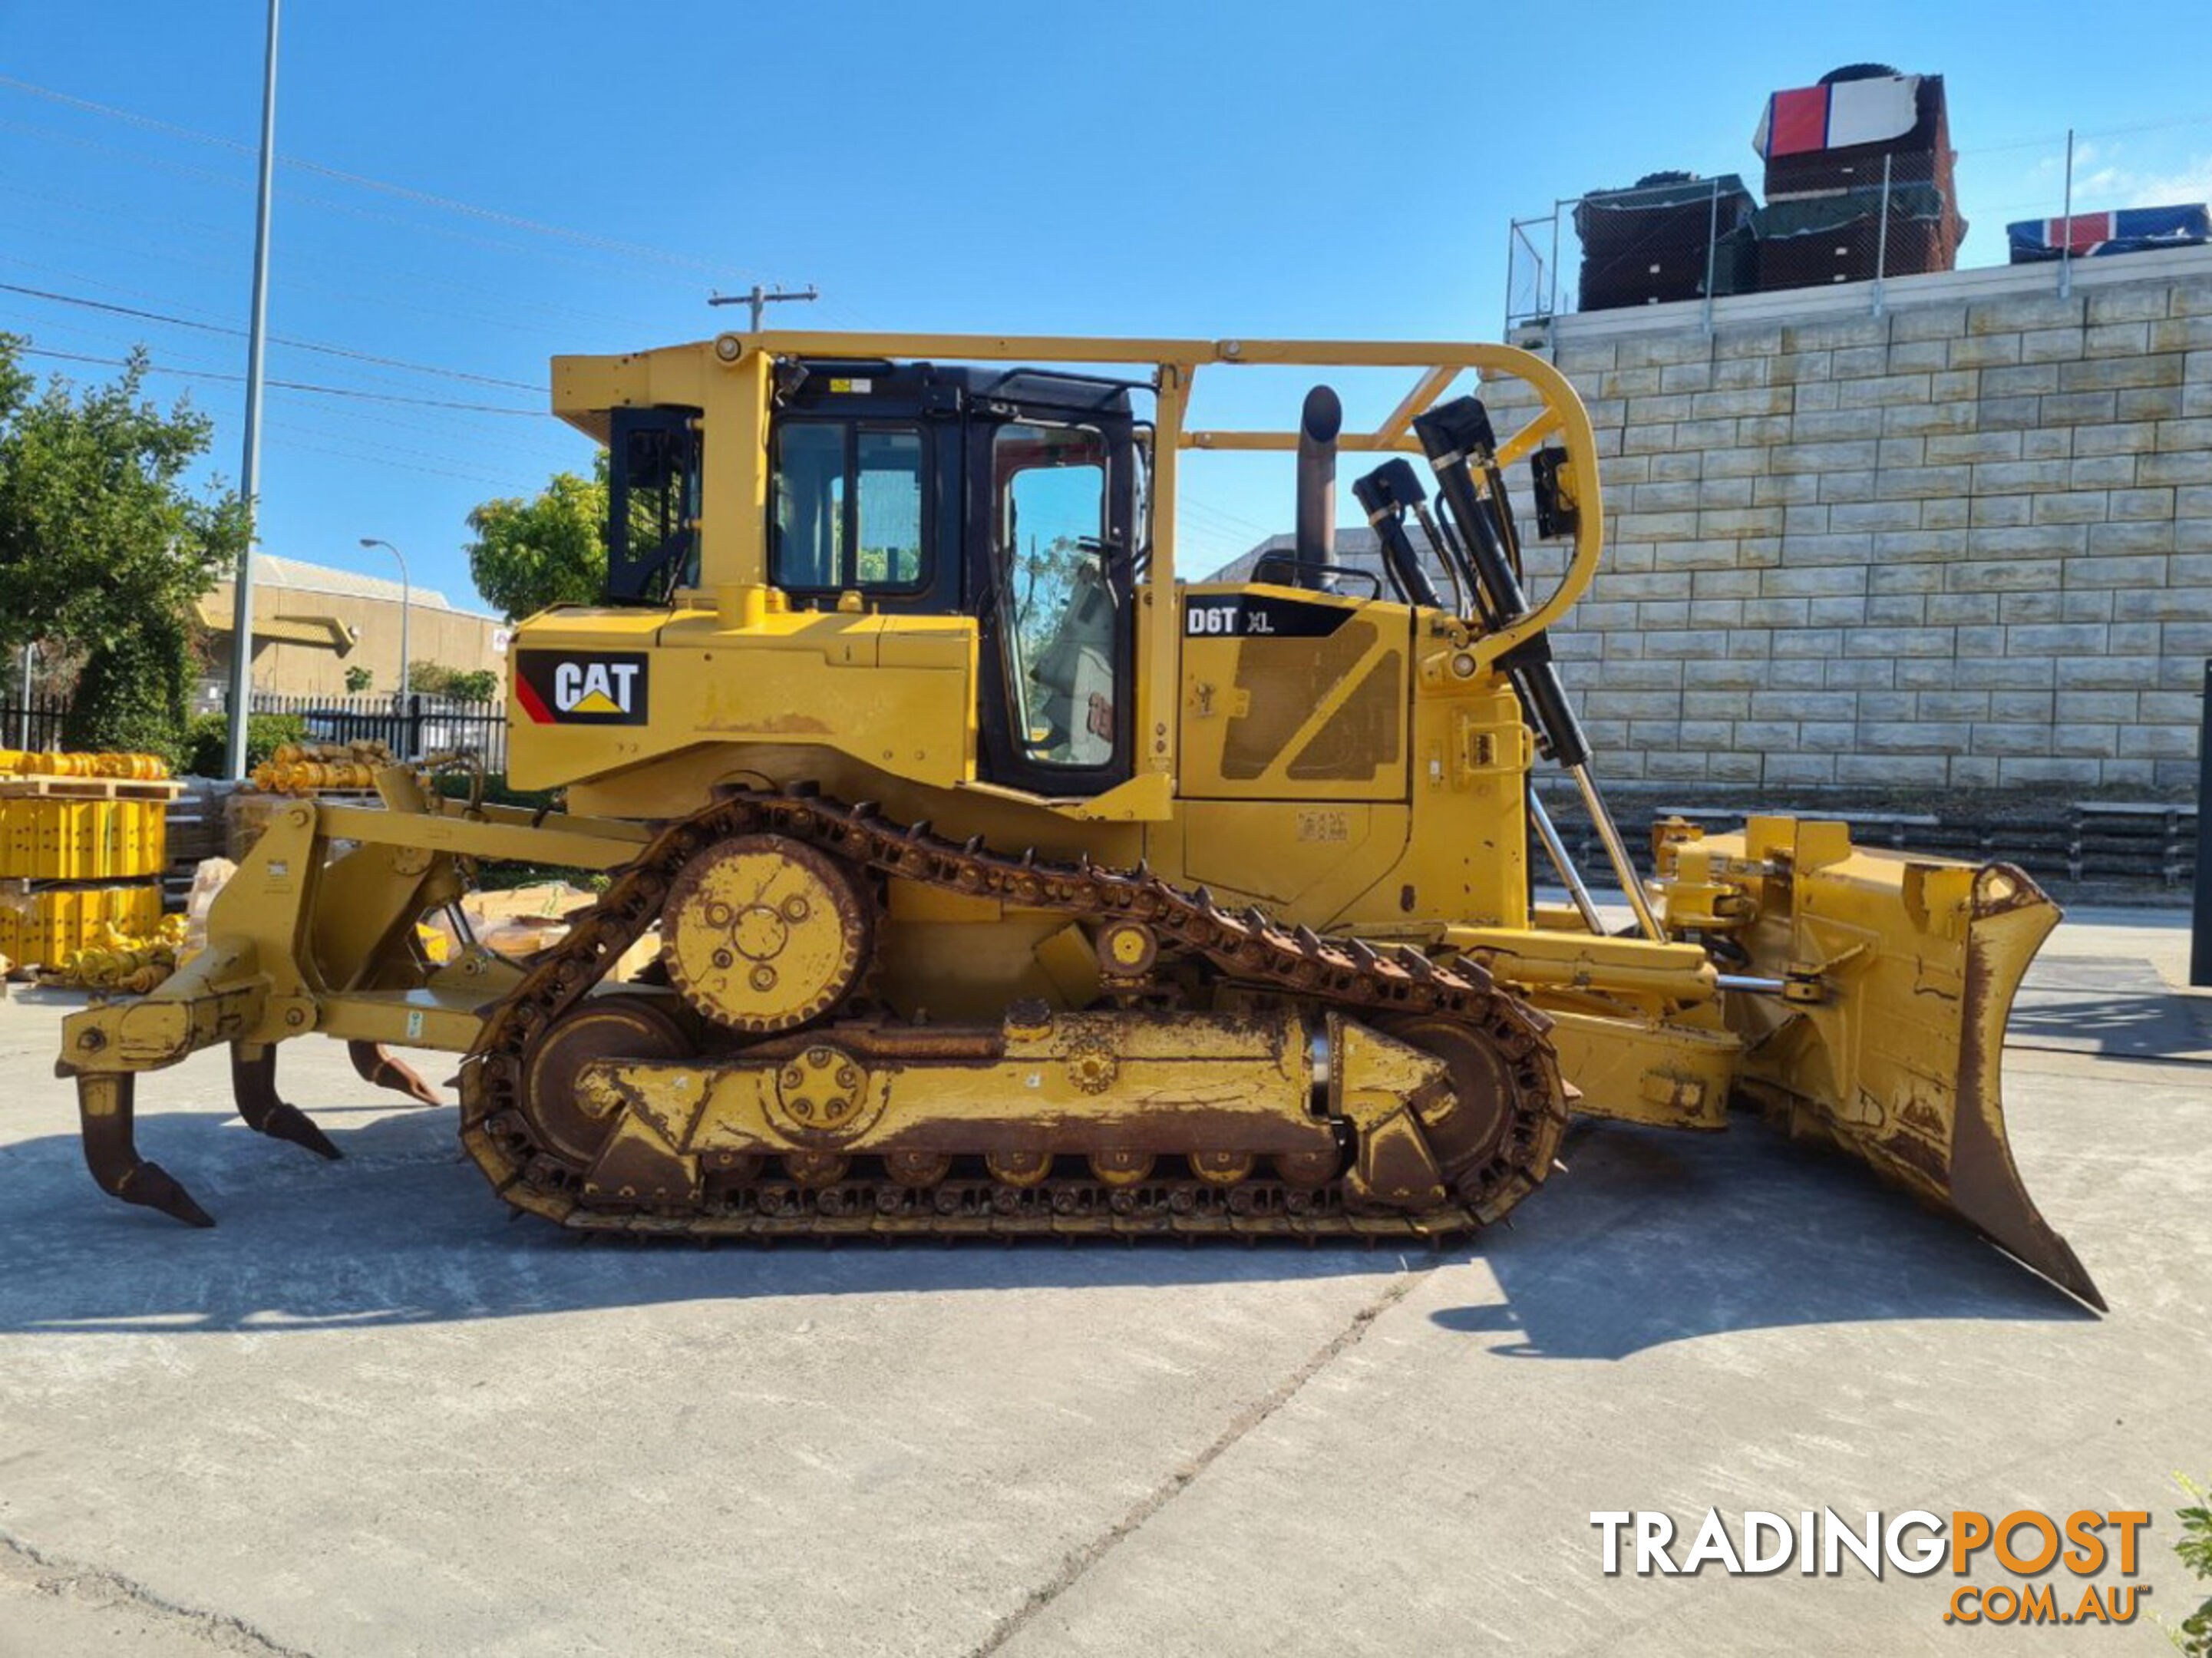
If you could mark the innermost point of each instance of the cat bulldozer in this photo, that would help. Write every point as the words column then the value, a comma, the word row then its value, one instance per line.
column 968, row 870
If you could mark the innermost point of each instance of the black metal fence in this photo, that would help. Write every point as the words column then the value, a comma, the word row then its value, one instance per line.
column 414, row 726
column 33, row 722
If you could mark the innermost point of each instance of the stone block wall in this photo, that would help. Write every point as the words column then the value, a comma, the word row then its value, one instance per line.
column 1963, row 542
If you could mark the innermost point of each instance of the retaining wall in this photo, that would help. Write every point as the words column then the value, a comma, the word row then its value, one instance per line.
column 1966, row 541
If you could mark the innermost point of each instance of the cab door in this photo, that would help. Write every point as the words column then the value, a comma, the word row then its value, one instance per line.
column 1052, row 561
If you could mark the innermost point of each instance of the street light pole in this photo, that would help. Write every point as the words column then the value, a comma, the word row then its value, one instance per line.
column 249, row 475
column 23, row 724
column 406, row 593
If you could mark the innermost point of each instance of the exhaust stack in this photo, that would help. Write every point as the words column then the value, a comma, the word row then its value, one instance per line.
column 1319, row 422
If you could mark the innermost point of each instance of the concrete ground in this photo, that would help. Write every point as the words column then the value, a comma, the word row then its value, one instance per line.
column 367, row 1415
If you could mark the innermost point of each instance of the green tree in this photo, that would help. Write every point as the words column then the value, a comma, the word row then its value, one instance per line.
column 462, row 684
column 104, row 545
column 14, row 384
column 529, row 555
column 134, row 693
column 358, row 679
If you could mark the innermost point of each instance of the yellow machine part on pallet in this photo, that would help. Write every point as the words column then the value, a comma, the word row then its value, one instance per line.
column 53, row 837
column 40, row 927
column 34, row 762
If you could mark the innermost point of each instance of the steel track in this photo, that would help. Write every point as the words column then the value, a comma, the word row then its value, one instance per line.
column 1247, row 948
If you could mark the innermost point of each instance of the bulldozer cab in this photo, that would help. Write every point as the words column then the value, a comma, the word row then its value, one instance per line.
column 1015, row 498
column 993, row 521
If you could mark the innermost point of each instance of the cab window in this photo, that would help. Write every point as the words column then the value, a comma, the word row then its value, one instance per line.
column 850, row 508
column 1058, row 613
column 653, row 504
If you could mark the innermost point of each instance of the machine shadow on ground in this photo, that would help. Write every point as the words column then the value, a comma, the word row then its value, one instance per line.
column 1649, row 1239
column 404, row 1231
column 1654, row 1237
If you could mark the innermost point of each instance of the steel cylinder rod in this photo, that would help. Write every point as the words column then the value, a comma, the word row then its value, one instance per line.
column 1616, row 851
column 1577, row 890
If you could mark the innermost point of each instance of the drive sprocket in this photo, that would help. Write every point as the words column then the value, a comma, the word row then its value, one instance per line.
column 763, row 933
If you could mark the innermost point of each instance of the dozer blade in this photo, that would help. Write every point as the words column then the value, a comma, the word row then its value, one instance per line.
column 1886, row 1036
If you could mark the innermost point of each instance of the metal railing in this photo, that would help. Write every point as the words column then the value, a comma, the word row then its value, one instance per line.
column 1673, row 253
column 33, row 722
column 1703, row 239
column 413, row 726
column 1676, row 237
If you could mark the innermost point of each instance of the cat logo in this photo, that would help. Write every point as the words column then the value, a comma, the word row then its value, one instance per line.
column 582, row 688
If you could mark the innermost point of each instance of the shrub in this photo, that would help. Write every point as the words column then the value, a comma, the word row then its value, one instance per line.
column 208, row 736
column 134, row 692
column 456, row 786
column 2195, row 1548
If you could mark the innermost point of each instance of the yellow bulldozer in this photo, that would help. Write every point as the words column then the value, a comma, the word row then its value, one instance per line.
column 969, row 871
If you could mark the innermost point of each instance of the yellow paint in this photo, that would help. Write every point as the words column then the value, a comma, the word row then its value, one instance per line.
column 1172, row 1080
column 1376, row 789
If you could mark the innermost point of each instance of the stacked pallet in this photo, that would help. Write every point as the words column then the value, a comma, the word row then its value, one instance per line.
column 1838, row 153
column 1653, row 243
column 1859, row 184
column 196, row 834
column 83, row 841
column 1813, row 240
column 1854, row 125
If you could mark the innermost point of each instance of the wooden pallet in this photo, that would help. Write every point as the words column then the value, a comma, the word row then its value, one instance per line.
column 90, row 788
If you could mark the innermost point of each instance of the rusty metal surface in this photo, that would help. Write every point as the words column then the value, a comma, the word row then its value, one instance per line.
column 106, row 1109
column 106, row 1113
column 253, row 1084
column 1433, row 1171
column 614, row 1028
column 1887, row 1041
column 1985, row 1186
column 379, row 1067
column 763, row 933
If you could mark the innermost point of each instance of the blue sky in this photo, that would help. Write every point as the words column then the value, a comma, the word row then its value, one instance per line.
column 472, row 188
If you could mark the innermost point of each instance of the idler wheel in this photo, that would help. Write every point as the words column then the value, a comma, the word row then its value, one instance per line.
column 763, row 934
column 1307, row 1171
column 1480, row 1119
column 917, row 1169
column 617, row 1027
column 815, row 1170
